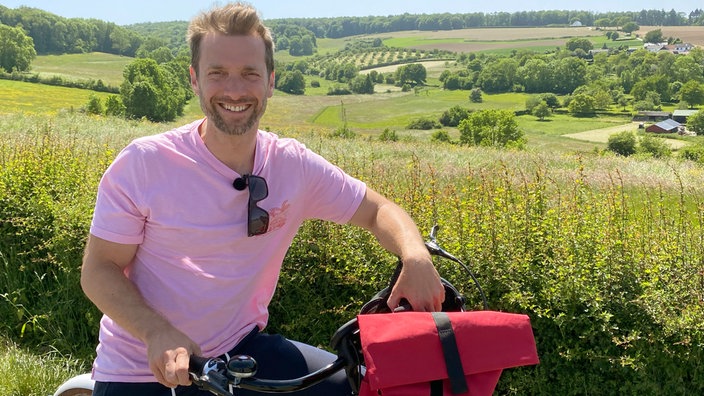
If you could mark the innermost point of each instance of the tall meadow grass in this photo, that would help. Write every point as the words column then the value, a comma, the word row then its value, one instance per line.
column 603, row 253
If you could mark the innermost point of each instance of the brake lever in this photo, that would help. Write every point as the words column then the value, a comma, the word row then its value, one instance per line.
column 213, row 375
column 214, row 382
column 434, row 248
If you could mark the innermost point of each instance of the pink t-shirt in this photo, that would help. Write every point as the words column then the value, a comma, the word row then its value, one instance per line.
column 195, row 263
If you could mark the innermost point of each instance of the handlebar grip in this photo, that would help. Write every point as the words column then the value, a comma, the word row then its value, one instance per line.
column 200, row 365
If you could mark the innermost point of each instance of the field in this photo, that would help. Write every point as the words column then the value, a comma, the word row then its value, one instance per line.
column 603, row 252
column 21, row 97
column 688, row 34
column 93, row 66
column 503, row 39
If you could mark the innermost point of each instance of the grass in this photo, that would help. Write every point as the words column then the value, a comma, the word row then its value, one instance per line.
column 91, row 66
column 30, row 374
column 29, row 98
column 543, row 229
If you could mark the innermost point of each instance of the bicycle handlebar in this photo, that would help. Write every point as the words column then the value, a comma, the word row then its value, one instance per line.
column 216, row 376
column 220, row 377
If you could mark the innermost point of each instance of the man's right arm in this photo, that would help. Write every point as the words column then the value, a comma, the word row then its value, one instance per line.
column 104, row 282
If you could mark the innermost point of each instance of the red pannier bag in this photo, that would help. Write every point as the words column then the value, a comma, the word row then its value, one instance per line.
column 442, row 353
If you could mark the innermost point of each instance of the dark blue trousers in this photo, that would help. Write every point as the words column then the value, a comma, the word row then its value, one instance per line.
column 277, row 358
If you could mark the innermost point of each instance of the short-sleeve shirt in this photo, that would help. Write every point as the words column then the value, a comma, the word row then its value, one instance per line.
column 195, row 263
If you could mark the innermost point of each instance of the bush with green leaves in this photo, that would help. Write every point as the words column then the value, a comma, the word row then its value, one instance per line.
column 695, row 122
column 622, row 143
column 606, row 263
column 654, row 146
column 424, row 123
column 494, row 128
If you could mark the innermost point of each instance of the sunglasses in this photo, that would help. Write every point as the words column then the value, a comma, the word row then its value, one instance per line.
column 257, row 218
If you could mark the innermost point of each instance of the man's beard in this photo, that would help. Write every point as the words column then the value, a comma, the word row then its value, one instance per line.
column 234, row 129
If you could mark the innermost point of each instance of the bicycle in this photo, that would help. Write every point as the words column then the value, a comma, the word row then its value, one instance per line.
column 222, row 378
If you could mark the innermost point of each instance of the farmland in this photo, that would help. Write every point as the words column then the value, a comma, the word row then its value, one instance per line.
column 501, row 39
column 603, row 252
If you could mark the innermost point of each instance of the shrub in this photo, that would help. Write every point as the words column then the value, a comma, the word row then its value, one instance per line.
column 623, row 143
column 424, row 123
column 440, row 136
column 656, row 147
column 606, row 263
column 388, row 136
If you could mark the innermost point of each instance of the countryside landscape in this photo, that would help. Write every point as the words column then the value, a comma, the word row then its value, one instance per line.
column 528, row 144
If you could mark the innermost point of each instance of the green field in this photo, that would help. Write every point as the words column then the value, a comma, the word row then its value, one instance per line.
column 93, row 66
column 603, row 252
column 21, row 97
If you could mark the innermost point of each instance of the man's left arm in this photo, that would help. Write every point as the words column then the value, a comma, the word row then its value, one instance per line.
column 419, row 282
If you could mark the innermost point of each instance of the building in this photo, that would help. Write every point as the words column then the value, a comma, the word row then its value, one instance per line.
column 682, row 115
column 666, row 126
column 652, row 116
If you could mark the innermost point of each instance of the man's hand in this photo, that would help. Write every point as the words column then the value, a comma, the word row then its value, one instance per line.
column 419, row 283
column 168, row 352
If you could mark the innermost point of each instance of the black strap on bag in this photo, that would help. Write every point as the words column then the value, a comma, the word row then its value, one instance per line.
column 455, row 371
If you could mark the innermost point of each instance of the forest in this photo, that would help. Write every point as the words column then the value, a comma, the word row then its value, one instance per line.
column 53, row 34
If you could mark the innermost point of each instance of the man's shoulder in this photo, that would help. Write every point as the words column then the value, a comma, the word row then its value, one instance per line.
column 273, row 142
column 170, row 138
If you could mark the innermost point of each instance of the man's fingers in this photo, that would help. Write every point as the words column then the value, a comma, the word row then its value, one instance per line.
column 182, row 359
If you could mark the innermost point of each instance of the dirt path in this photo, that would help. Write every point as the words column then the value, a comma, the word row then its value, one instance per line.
column 602, row 135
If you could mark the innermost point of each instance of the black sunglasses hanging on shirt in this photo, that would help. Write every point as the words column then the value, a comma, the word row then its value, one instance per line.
column 257, row 218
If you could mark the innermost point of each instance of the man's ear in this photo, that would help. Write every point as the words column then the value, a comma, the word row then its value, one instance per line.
column 194, row 80
column 272, row 84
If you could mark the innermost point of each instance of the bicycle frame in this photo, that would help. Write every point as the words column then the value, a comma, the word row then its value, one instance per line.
column 80, row 385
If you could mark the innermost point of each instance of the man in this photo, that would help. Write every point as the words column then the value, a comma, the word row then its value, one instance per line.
column 191, row 227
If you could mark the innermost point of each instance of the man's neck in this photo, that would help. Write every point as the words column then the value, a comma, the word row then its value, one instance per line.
column 235, row 151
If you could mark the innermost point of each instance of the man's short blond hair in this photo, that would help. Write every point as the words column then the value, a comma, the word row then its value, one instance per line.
column 233, row 19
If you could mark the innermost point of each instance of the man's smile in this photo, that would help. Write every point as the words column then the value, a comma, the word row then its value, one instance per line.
column 235, row 108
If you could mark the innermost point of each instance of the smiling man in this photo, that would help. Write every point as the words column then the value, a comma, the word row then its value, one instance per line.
column 191, row 227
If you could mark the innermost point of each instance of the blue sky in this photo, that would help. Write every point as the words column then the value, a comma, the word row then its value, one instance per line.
column 124, row 12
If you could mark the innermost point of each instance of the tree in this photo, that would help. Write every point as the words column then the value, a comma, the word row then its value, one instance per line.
column 291, row 82
column 475, row 96
column 579, row 42
column 152, row 91
column 541, row 111
column 453, row 116
column 623, row 143
column 362, row 84
column 569, row 73
column 630, row 27
column 414, row 73
column 692, row 92
column 695, row 122
column 653, row 36
column 581, row 105
column 496, row 128
column 16, row 49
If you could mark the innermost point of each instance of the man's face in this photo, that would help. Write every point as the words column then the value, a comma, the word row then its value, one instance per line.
column 232, row 83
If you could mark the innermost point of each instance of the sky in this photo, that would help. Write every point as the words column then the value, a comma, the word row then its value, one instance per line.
column 125, row 12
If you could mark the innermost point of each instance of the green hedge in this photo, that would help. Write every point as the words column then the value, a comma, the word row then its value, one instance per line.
column 608, row 268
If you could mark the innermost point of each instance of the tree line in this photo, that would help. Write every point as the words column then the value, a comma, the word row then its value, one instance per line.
column 53, row 34
column 351, row 26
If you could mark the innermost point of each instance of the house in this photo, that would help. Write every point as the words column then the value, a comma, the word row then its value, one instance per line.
column 666, row 126
column 680, row 48
column 651, row 47
column 682, row 115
